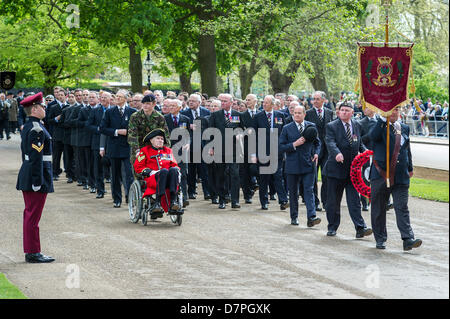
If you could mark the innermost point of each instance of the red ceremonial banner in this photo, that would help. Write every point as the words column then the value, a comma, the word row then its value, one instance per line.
column 384, row 77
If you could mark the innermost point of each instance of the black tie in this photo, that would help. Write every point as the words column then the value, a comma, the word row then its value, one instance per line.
column 348, row 133
column 121, row 111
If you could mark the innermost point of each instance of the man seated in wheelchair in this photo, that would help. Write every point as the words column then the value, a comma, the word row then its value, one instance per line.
column 156, row 164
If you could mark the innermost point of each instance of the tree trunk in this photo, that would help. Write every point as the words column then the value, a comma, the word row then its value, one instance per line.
column 50, row 79
column 281, row 82
column 246, row 76
column 185, row 82
column 207, row 64
column 135, row 68
column 319, row 81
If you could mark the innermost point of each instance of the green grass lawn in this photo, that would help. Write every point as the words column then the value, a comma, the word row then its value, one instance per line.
column 429, row 189
column 8, row 290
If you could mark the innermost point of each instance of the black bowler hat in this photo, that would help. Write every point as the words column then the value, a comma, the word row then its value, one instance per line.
column 155, row 132
column 148, row 98
column 310, row 133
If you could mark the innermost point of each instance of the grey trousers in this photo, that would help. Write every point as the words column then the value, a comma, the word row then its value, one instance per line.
column 380, row 195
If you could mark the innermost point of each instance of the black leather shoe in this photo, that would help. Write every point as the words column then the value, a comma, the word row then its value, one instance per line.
column 318, row 208
column 331, row 233
column 117, row 205
column 294, row 221
column 215, row 201
column 93, row 190
column 235, row 205
column 38, row 258
column 365, row 209
column 85, row 187
column 227, row 199
column 80, row 184
column 409, row 244
column 69, row 180
column 248, row 201
column 185, row 203
column 108, row 180
column 272, row 197
column 381, row 245
column 207, row 197
column 101, row 195
column 222, row 206
column 313, row 221
column 284, row 205
column 389, row 206
column 360, row 233
column 155, row 215
column 264, row 207
column 192, row 196
column 55, row 178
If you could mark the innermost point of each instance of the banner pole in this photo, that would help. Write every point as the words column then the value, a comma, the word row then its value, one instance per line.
column 386, row 6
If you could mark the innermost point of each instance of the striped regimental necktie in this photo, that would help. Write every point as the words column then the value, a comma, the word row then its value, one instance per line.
column 348, row 133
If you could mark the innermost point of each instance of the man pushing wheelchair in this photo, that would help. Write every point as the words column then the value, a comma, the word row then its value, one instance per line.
column 156, row 164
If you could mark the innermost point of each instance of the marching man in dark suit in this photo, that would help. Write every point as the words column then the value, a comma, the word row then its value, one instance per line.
column 175, row 120
column 115, row 125
column 272, row 123
column 35, row 178
column 224, row 120
column 320, row 116
column 300, row 141
column 343, row 140
column 401, row 170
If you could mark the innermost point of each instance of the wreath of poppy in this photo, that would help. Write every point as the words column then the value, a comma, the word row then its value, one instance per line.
column 356, row 173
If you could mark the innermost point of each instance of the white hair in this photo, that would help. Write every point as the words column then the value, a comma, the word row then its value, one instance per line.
column 196, row 96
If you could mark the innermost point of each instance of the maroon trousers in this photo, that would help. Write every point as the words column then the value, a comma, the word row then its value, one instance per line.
column 34, row 204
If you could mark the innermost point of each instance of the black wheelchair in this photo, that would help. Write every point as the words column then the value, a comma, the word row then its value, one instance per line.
column 142, row 208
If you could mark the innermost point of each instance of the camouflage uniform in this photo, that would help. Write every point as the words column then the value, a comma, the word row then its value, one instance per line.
column 139, row 126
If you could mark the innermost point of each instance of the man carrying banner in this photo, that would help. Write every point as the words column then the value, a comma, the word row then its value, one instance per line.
column 384, row 73
column 400, row 173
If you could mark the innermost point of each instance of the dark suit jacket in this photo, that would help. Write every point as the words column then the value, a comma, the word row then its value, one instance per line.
column 183, row 122
column 311, row 116
column 72, row 122
column 404, row 161
column 65, row 116
column 366, row 125
column 248, row 123
column 260, row 121
column 298, row 160
column 84, row 133
column 93, row 124
column 204, row 112
column 116, row 146
column 217, row 120
column 337, row 142
column 56, row 128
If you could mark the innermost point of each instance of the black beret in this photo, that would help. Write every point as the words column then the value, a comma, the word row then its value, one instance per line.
column 148, row 98
column 155, row 132
column 310, row 133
